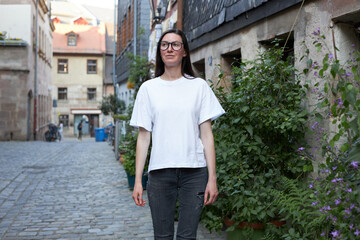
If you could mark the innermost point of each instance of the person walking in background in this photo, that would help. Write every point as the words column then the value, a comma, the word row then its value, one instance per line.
column 79, row 127
column 177, row 109
column 61, row 126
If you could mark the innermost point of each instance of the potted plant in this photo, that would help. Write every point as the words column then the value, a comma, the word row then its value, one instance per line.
column 257, row 141
column 129, row 161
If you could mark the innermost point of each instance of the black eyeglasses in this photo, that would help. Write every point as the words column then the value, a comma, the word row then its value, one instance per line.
column 176, row 46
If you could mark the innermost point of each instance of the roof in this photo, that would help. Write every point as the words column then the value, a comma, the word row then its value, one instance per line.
column 91, row 39
column 207, row 21
column 67, row 11
column 103, row 14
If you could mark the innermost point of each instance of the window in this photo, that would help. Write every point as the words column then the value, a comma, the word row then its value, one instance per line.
column 64, row 119
column 281, row 40
column 91, row 66
column 199, row 68
column 62, row 93
column 63, row 66
column 91, row 94
column 72, row 39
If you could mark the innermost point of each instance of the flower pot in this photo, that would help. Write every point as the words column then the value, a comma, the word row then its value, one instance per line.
column 131, row 180
column 241, row 231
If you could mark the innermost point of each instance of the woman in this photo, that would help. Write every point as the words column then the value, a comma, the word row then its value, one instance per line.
column 61, row 128
column 177, row 109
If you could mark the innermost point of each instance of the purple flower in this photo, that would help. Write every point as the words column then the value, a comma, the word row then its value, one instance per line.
column 349, row 190
column 348, row 74
column 337, row 201
column 328, row 208
column 339, row 102
column 351, row 226
column 301, row 149
column 354, row 164
column 328, row 192
column 322, row 234
column 314, row 203
column 352, row 206
column 335, row 233
column 334, row 168
column 317, row 32
column 311, row 185
column 348, row 211
column 331, row 56
column 314, row 125
column 357, row 232
column 336, row 180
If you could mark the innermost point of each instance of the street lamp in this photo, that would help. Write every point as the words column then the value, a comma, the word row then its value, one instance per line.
column 158, row 15
column 159, row 11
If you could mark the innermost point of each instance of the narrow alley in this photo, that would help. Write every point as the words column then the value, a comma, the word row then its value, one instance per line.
column 69, row 190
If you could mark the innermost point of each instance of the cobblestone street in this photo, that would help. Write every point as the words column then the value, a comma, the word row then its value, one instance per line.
column 69, row 190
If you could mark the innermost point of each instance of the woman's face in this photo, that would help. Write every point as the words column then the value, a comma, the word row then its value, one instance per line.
column 171, row 57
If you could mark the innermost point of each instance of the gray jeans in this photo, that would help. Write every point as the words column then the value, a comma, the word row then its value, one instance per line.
column 164, row 187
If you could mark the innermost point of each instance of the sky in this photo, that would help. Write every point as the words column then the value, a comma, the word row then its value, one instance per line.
column 97, row 3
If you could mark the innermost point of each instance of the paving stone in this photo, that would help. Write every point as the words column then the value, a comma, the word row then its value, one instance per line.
column 69, row 190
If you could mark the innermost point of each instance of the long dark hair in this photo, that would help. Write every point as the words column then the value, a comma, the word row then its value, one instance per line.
column 186, row 68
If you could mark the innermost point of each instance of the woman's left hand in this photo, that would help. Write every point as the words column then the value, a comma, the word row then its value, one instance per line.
column 211, row 192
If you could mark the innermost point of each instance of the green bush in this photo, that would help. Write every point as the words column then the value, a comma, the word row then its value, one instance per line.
column 257, row 139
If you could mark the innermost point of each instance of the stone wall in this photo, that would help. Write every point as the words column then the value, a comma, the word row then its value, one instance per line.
column 336, row 20
column 14, row 76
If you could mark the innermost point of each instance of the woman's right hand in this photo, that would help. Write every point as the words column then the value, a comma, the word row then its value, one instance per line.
column 138, row 195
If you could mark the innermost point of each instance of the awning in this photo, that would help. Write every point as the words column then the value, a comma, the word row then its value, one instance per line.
column 85, row 111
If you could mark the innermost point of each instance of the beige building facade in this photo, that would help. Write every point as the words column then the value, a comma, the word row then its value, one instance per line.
column 78, row 73
column 25, row 74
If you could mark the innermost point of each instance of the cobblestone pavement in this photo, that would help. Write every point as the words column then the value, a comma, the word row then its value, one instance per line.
column 69, row 190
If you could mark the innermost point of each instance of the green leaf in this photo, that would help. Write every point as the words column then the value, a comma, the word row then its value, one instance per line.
column 334, row 69
column 258, row 139
column 245, row 108
column 344, row 147
column 354, row 155
column 332, row 143
column 243, row 138
column 249, row 129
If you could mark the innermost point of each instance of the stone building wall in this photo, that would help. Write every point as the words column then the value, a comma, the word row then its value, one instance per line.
column 19, row 21
column 14, row 76
column 77, row 82
column 337, row 20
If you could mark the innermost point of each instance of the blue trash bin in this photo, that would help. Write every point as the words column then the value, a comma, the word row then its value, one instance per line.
column 99, row 134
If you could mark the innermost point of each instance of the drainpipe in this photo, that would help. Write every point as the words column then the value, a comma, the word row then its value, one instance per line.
column 135, row 26
column 36, row 63
column 114, row 50
column 180, row 6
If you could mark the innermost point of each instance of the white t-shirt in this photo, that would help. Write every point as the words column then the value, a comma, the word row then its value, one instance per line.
column 173, row 111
